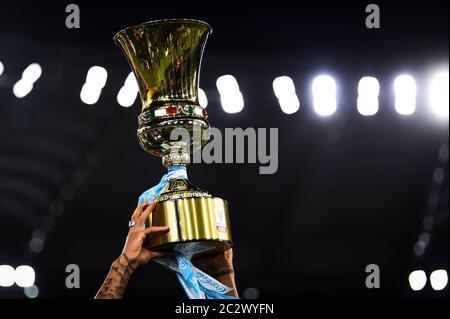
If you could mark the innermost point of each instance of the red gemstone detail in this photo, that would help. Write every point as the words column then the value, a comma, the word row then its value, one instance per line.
column 204, row 113
column 171, row 110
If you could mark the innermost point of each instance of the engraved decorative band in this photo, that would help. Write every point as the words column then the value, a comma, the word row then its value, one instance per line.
column 183, row 194
column 171, row 112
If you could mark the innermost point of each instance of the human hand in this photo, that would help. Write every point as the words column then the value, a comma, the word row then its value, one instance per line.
column 134, row 251
column 216, row 264
column 220, row 266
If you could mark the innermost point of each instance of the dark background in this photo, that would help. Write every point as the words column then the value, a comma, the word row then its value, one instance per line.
column 350, row 190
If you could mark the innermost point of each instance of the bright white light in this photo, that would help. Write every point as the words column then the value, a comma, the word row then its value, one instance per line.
column 2, row 68
column 232, row 103
column 284, row 90
column 368, row 91
column 290, row 104
column 95, row 81
column 283, row 86
column 131, row 82
column 126, row 96
column 128, row 92
column 439, row 279
column 202, row 99
column 227, row 84
column 367, row 106
column 25, row 85
column 417, row 280
column 324, row 95
column 89, row 94
column 97, row 77
column 405, row 94
column 231, row 97
column 32, row 73
column 369, row 86
column 439, row 94
column 24, row 276
column 6, row 276
column 22, row 88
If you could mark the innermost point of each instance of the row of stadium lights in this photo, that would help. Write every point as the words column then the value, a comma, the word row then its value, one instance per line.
column 323, row 88
column 29, row 76
column 418, row 279
column 324, row 91
column 22, row 276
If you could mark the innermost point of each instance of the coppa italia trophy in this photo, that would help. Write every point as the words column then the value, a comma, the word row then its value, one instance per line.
column 165, row 57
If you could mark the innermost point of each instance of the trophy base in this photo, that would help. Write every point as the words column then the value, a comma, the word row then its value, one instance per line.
column 197, row 225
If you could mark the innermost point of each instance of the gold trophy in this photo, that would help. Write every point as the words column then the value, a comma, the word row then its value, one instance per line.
column 165, row 57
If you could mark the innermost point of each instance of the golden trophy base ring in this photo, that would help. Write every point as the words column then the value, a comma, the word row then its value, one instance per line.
column 197, row 225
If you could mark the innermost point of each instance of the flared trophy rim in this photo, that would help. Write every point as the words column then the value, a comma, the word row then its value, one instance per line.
column 162, row 21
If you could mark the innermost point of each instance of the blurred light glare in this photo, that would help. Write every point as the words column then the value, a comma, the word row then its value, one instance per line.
column 368, row 91
column 284, row 90
column 405, row 94
column 227, row 84
column 419, row 248
column 95, row 81
column 89, row 94
column 6, row 276
column 439, row 94
column 417, row 280
column 202, row 99
column 24, row 276
column 32, row 73
column 2, row 68
column 290, row 104
column 131, row 82
column 251, row 293
column 283, row 86
column 443, row 152
column 22, row 88
column 231, row 97
column 369, row 86
column 424, row 239
column 31, row 292
column 128, row 92
column 97, row 77
column 439, row 175
column 367, row 106
column 439, row 279
column 324, row 95
column 232, row 103
column 126, row 96
column 36, row 245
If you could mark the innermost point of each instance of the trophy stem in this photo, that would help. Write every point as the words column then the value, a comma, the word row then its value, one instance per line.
column 176, row 155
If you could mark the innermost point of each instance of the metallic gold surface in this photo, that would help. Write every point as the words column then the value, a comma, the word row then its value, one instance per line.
column 203, row 220
column 165, row 57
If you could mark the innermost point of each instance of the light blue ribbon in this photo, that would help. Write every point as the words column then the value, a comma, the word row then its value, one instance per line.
column 196, row 284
